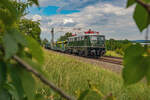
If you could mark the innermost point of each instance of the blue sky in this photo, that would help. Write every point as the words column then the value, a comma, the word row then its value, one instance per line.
column 109, row 17
column 50, row 10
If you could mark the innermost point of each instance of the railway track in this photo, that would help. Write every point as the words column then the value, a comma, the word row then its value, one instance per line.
column 108, row 59
column 114, row 60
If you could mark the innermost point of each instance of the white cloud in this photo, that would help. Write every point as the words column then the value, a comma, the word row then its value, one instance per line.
column 78, row 4
column 108, row 8
column 36, row 17
column 69, row 20
column 112, row 21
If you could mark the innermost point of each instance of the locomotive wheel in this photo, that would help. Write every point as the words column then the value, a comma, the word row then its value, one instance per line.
column 80, row 53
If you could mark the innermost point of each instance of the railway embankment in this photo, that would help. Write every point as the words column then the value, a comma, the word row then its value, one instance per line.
column 106, row 63
column 72, row 74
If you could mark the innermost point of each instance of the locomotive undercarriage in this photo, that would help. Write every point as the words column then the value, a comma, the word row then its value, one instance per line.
column 87, row 51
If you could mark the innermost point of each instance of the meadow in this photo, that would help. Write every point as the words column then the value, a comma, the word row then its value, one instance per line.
column 112, row 53
column 73, row 76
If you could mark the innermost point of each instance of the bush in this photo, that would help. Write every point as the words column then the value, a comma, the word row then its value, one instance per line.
column 119, row 51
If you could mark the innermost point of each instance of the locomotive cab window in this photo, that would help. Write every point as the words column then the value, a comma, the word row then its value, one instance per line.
column 101, row 38
column 93, row 38
column 97, row 38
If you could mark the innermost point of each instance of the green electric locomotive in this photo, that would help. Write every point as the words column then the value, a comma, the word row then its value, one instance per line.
column 90, row 44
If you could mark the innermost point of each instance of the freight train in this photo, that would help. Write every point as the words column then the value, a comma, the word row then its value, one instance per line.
column 90, row 44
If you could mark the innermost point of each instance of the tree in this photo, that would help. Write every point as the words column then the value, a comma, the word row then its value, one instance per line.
column 44, row 42
column 117, row 45
column 65, row 37
column 30, row 28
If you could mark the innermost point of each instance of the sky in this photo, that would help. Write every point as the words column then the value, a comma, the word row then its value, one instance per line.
column 109, row 17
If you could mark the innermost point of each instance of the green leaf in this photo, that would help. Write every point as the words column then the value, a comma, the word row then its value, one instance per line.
column 141, row 17
column 15, row 72
column 130, row 3
column 133, row 51
column 2, row 73
column 146, row 1
column 12, row 90
column 10, row 46
column 4, row 16
column 9, row 5
column 84, row 94
column 8, row 11
column 4, row 95
column 11, row 41
column 22, row 81
column 28, row 84
column 19, row 37
column 36, row 50
column 134, row 66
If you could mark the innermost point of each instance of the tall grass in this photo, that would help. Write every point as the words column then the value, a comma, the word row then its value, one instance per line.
column 73, row 75
column 112, row 53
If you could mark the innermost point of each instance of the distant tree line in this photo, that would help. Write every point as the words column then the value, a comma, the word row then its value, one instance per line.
column 117, row 45
column 65, row 37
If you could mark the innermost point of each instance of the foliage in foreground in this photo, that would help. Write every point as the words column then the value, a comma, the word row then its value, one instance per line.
column 74, row 76
column 15, row 81
column 137, row 57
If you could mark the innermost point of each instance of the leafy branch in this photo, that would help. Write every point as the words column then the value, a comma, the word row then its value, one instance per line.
column 145, row 5
column 20, row 55
column 137, row 57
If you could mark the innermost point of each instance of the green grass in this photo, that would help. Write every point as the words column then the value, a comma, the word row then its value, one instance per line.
column 112, row 53
column 72, row 75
